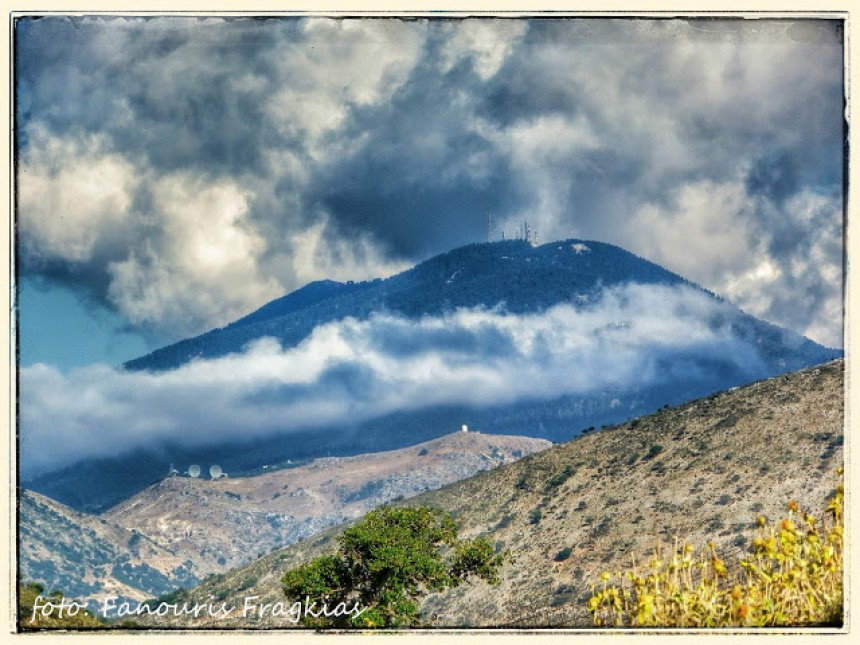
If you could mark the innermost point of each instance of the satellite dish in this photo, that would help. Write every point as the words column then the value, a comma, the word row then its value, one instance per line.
column 194, row 470
column 215, row 471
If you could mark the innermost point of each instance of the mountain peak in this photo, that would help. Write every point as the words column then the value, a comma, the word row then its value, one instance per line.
column 525, row 278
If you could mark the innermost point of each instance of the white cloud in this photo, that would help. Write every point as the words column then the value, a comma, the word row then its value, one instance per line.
column 359, row 370
column 545, row 154
column 487, row 43
column 337, row 65
column 813, row 269
column 782, row 264
column 314, row 256
column 578, row 126
column 205, row 267
column 72, row 193
column 703, row 234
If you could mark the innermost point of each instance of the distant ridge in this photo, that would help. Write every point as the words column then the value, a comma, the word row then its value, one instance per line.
column 84, row 554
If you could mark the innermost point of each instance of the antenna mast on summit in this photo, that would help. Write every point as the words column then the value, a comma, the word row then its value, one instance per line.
column 489, row 226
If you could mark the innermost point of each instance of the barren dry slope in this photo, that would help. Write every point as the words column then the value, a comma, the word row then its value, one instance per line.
column 702, row 471
column 87, row 556
column 227, row 522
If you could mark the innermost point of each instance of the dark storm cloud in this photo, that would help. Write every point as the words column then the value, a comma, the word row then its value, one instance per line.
column 165, row 90
column 424, row 179
column 350, row 149
column 775, row 177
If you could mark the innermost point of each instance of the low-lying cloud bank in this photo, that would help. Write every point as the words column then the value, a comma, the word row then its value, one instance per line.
column 354, row 370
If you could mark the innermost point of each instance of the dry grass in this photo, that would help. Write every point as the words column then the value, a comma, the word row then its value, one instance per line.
column 792, row 576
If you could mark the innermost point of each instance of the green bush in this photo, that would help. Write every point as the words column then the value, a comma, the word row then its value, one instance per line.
column 563, row 555
column 560, row 478
column 247, row 583
column 387, row 562
column 653, row 451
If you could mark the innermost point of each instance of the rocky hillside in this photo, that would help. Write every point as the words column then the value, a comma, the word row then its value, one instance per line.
column 699, row 472
column 226, row 522
column 181, row 529
column 85, row 555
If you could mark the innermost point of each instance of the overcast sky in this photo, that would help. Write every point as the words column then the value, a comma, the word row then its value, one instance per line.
column 175, row 174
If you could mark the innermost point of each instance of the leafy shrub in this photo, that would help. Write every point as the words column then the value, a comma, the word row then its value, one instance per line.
column 563, row 555
column 247, row 583
column 387, row 561
column 562, row 595
column 659, row 467
column 601, row 529
column 536, row 515
column 171, row 597
column 653, row 451
column 560, row 478
column 715, row 523
column 791, row 576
